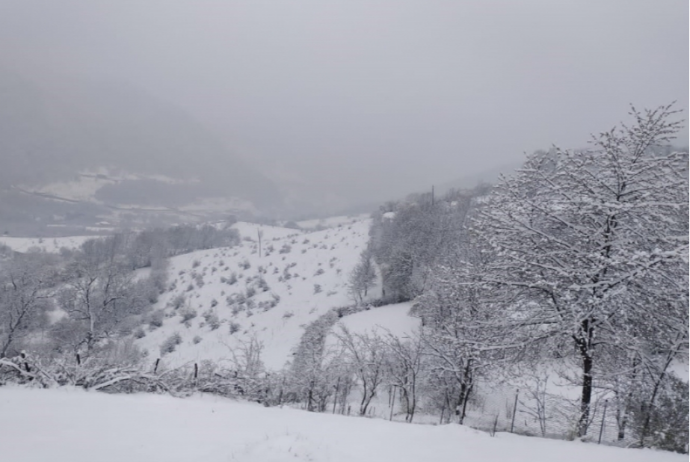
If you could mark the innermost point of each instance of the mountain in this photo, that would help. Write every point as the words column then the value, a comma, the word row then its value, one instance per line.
column 143, row 150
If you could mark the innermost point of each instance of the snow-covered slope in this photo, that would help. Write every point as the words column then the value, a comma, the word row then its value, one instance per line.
column 297, row 277
column 393, row 319
column 63, row 424
column 48, row 244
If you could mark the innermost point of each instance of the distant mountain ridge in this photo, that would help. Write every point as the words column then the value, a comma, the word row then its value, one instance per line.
column 51, row 135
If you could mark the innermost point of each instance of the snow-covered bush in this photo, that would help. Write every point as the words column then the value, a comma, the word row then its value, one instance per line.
column 169, row 344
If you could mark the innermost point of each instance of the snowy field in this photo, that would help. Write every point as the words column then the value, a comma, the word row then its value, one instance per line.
column 77, row 426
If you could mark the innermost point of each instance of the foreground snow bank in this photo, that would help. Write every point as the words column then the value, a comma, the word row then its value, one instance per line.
column 41, row 425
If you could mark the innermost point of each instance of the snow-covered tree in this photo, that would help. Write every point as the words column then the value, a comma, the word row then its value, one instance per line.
column 366, row 354
column 581, row 236
column 406, row 369
column 100, row 292
column 25, row 283
column 363, row 276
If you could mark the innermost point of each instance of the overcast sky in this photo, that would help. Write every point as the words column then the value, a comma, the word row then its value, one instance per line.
column 371, row 98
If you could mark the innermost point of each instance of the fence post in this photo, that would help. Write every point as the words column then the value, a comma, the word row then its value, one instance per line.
column 78, row 360
column 603, row 420
column 155, row 368
column 512, row 421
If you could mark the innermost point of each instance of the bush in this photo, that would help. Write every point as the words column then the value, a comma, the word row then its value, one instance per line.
column 170, row 343
column 232, row 279
column 234, row 327
column 212, row 320
column 667, row 426
column 156, row 319
column 188, row 314
column 196, row 339
column 178, row 301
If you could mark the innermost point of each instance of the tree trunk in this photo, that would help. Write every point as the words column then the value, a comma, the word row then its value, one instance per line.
column 584, row 343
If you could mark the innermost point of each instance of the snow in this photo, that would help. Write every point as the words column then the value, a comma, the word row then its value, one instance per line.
column 69, row 424
column 385, row 319
column 46, row 244
column 331, row 222
column 333, row 251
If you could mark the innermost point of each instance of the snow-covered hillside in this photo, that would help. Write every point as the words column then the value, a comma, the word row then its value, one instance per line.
column 48, row 244
column 65, row 424
column 221, row 297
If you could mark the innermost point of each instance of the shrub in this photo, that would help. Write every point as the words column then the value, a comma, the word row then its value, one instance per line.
column 317, row 288
column 170, row 343
column 188, row 314
column 156, row 319
column 178, row 301
column 665, row 425
column 196, row 339
column 234, row 327
column 212, row 320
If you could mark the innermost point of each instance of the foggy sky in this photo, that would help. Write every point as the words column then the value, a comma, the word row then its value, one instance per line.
column 371, row 99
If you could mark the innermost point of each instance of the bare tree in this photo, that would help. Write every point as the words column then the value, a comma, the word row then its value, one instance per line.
column 25, row 283
column 366, row 354
column 363, row 277
column 405, row 369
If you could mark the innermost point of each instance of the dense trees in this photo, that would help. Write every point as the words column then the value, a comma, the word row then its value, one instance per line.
column 410, row 238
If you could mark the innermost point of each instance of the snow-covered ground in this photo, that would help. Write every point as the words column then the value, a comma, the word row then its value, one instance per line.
column 393, row 319
column 292, row 264
column 77, row 426
column 46, row 244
